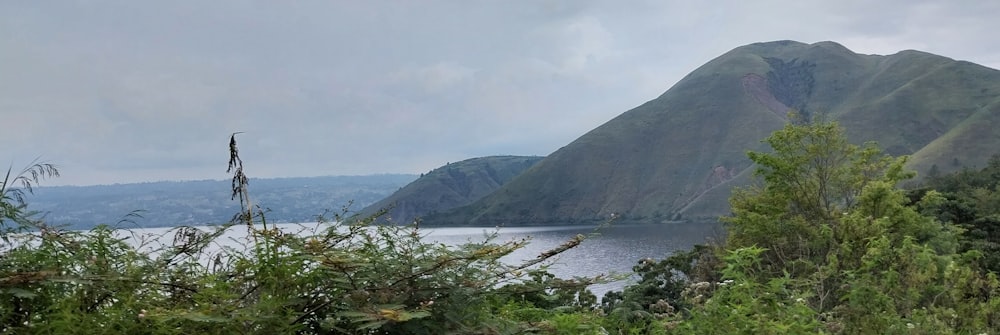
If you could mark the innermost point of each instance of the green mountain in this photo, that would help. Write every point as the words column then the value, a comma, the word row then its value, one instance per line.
column 451, row 186
column 678, row 156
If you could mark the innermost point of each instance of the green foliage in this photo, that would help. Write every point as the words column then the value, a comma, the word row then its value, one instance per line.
column 661, row 281
column 342, row 277
column 13, row 209
column 747, row 301
column 354, row 279
column 641, row 307
column 653, row 304
column 829, row 244
column 812, row 179
column 969, row 199
column 825, row 244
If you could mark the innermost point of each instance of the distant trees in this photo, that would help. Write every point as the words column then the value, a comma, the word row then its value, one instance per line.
column 969, row 199
column 168, row 204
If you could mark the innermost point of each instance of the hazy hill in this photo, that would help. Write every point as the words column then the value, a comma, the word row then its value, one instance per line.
column 208, row 201
column 451, row 186
column 679, row 155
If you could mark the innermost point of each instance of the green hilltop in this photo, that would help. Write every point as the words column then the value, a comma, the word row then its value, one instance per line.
column 450, row 186
column 678, row 156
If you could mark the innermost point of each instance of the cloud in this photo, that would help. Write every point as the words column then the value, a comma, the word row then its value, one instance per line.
column 434, row 79
column 133, row 91
column 573, row 44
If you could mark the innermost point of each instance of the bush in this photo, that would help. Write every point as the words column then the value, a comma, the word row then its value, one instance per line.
column 342, row 277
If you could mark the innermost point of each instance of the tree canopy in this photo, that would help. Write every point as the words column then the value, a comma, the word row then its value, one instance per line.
column 829, row 230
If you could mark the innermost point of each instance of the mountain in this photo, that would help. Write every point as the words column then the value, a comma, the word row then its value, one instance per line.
column 173, row 203
column 678, row 156
column 451, row 186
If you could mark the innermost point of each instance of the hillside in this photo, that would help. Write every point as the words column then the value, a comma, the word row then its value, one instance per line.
column 451, row 186
column 678, row 156
column 173, row 203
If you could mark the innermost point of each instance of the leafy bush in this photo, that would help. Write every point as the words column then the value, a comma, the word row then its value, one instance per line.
column 834, row 240
column 342, row 277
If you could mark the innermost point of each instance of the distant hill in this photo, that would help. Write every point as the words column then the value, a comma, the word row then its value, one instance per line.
column 679, row 155
column 208, row 201
column 450, row 186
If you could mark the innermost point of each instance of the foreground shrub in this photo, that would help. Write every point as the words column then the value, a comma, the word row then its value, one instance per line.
column 346, row 276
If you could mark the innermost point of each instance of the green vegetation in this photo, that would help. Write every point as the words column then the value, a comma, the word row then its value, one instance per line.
column 450, row 186
column 969, row 199
column 680, row 155
column 829, row 227
column 348, row 277
column 825, row 242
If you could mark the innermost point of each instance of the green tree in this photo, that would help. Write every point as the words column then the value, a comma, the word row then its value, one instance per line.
column 811, row 179
column 829, row 226
column 969, row 199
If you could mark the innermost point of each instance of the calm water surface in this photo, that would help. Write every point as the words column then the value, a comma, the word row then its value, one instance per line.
column 615, row 249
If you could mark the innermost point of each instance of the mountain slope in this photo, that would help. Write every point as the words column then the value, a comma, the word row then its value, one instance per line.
column 451, row 186
column 679, row 155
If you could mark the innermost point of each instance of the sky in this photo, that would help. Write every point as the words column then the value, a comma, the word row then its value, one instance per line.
column 134, row 91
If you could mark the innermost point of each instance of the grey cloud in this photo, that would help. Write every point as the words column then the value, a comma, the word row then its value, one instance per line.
column 130, row 91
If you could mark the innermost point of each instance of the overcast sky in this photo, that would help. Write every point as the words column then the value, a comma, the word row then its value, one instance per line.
column 129, row 91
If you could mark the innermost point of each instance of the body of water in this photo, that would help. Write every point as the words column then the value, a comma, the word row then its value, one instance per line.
column 614, row 248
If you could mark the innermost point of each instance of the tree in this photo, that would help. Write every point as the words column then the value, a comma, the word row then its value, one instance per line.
column 811, row 179
column 828, row 227
column 969, row 199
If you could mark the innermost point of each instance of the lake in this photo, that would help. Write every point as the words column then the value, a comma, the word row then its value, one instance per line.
column 615, row 248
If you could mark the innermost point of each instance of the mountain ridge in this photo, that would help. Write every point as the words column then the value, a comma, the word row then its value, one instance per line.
column 203, row 202
column 679, row 155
